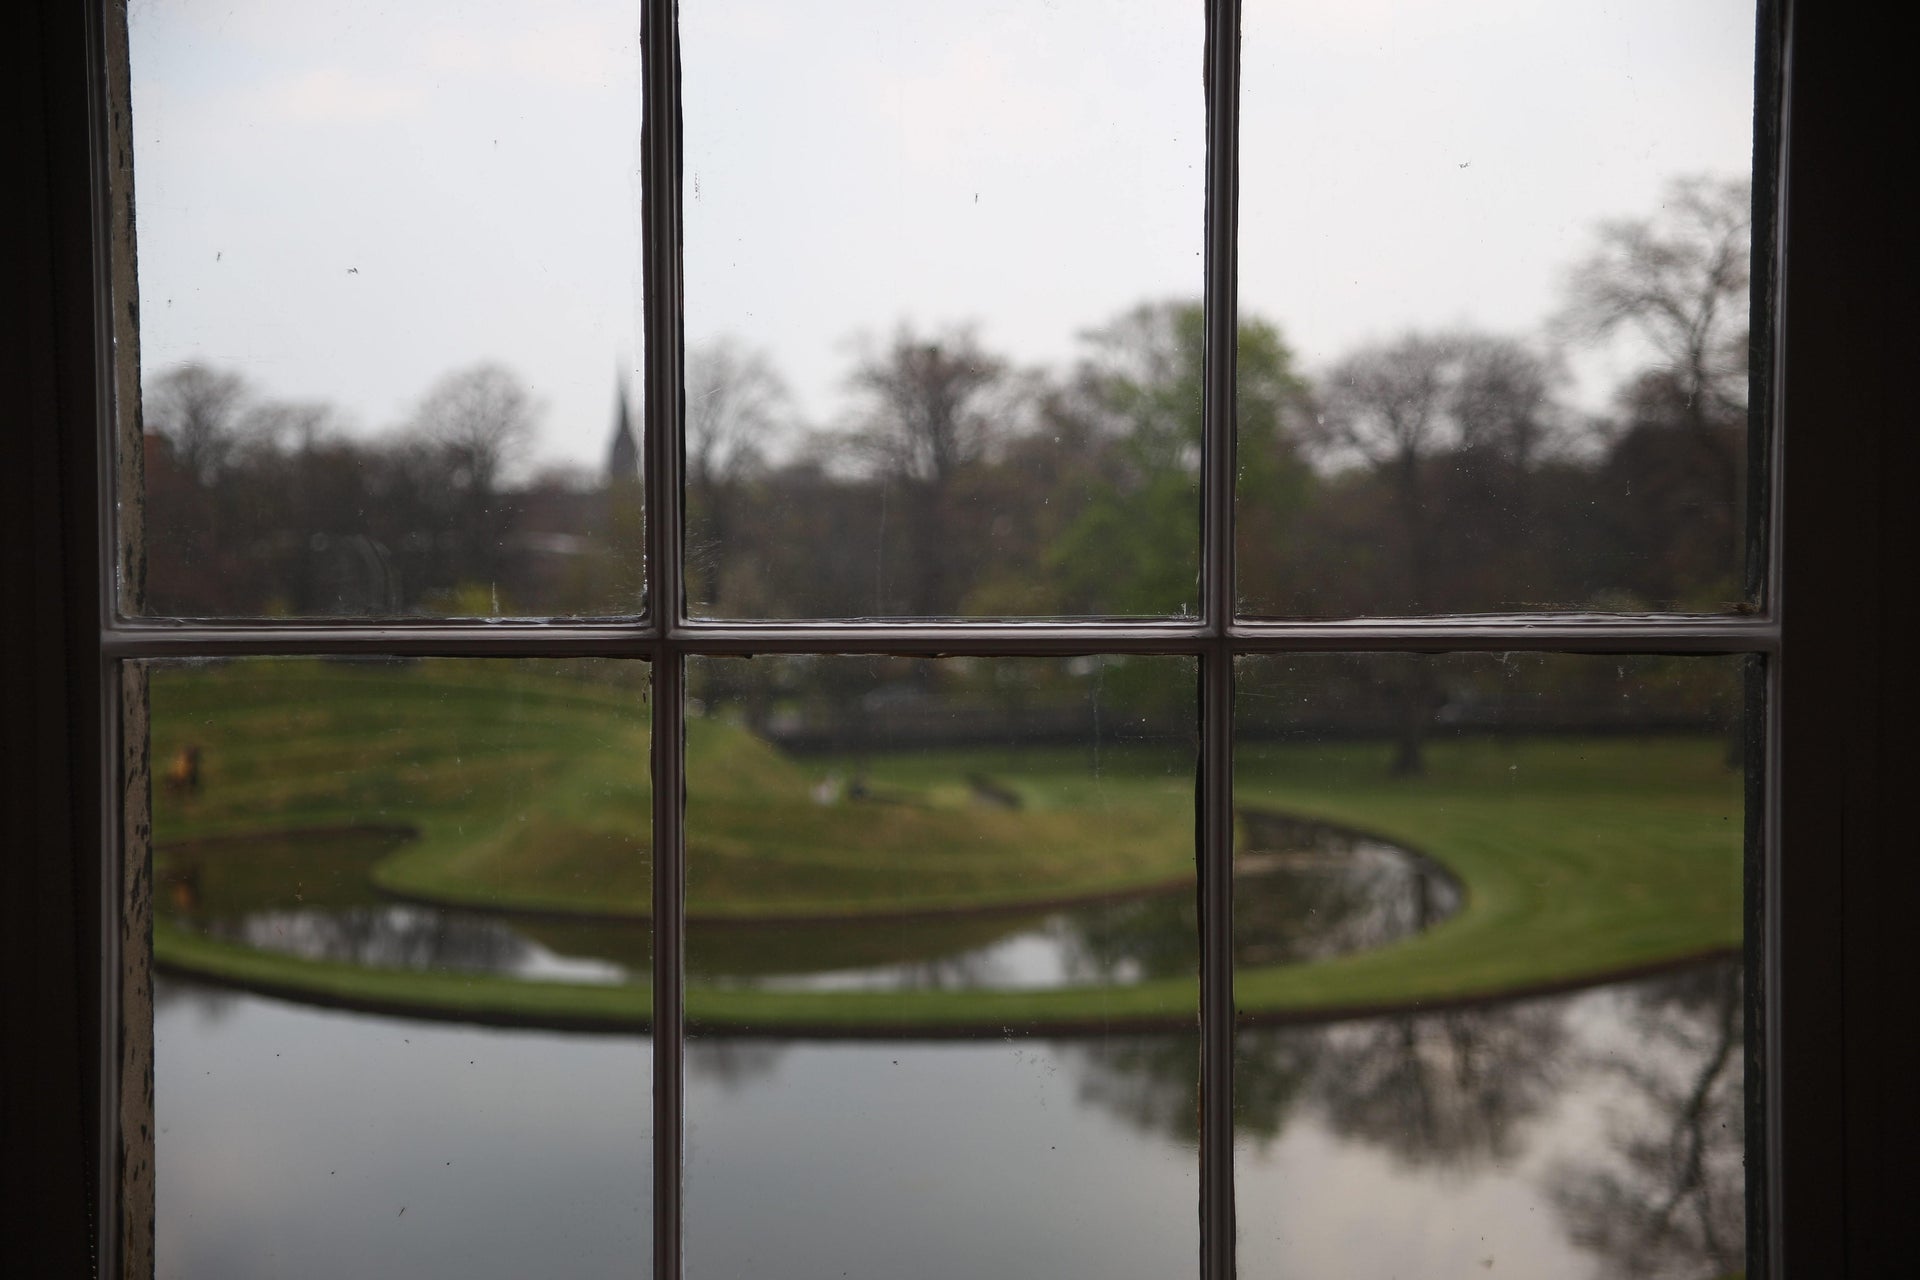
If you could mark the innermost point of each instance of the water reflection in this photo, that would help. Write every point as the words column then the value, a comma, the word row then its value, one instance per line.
column 300, row 1142
column 1665, row 1197
column 1555, row 1135
column 1305, row 891
column 174, row 996
column 945, row 1159
column 1152, row 1083
column 1446, row 1091
column 733, row 1065
column 1452, row 1089
column 1344, row 890
column 423, row 939
column 1466, row 1099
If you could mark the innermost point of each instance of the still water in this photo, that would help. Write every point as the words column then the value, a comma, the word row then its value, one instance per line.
column 1596, row 1133
column 1305, row 891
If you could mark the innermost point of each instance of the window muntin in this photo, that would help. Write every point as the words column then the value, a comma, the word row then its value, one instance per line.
column 1213, row 641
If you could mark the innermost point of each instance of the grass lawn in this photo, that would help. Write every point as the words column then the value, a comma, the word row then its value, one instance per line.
column 528, row 789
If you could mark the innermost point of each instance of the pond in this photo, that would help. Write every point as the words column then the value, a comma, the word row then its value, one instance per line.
column 1303, row 891
column 1583, row 1134
column 1589, row 1133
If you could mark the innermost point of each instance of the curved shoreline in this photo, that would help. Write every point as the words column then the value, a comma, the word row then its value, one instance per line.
column 1155, row 1006
column 748, row 919
column 633, row 1022
column 706, row 919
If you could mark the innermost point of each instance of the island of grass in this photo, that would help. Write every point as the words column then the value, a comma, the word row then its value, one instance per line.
column 526, row 793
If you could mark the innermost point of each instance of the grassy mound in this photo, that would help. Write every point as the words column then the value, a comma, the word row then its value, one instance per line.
column 528, row 788
column 530, row 793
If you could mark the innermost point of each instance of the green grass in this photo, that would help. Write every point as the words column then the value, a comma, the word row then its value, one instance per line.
column 529, row 792
column 1578, row 857
column 399, row 991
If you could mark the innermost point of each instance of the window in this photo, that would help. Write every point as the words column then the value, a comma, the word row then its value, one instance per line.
column 1796, row 1156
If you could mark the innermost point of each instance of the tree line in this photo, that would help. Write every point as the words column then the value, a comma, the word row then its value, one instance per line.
column 1426, row 472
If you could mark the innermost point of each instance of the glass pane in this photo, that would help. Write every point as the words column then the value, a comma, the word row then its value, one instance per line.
column 943, row 271
column 389, row 275
column 401, row 938
column 1494, row 307
column 1534, row 1061
column 942, row 967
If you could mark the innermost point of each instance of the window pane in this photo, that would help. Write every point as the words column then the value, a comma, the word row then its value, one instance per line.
column 389, row 273
column 942, row 967
column 392, row 899
column 943, row 274
column 1539, row 1065
column 1494, row 307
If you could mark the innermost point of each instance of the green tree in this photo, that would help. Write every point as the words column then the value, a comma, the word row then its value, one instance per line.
column 1134, row 549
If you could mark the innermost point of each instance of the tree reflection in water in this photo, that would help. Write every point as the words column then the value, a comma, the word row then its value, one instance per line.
column 1668, row 1197
column 383, row 937
column 1452, row 1089
column 211, row 1004
column 1502, row 1090
column 733, row 1064
column 1481, row 1090
column 1322, row 894
column 1150, row 1082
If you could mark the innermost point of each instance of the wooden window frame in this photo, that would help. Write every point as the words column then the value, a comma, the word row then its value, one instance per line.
column 1832, row 999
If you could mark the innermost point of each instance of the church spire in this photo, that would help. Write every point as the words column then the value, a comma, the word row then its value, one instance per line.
column 623, row 455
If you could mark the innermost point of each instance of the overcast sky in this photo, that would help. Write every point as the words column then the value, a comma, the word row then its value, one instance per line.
column 343, row 201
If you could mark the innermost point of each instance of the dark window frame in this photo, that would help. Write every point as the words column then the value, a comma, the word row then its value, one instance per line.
column 1826, row 932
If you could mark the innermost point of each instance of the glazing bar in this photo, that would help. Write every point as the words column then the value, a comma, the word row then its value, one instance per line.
column 660, row 141
column 669, row 977
column 616, row 640
column 1221, row 313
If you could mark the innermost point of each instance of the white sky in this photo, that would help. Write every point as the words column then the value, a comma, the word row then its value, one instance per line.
column 345, row 200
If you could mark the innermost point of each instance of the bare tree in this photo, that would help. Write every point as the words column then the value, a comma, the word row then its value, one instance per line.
column 929, row 406
column 1679, row 281
column 1392, row 404
column 1394, row 409
column 473, row 428
column 290, row 426
column 197, row 409
column 932, row 408
column 482, row 422
column 1504, row 400
column 736, row 401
